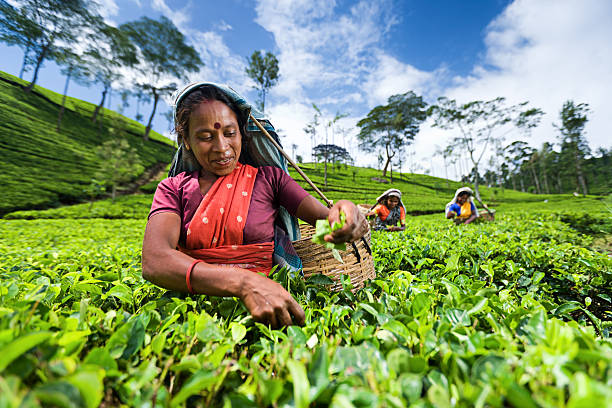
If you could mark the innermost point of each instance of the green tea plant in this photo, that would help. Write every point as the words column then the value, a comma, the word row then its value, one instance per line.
column 511, row 313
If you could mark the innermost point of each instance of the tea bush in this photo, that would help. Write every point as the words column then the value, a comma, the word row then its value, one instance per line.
column 511, row 313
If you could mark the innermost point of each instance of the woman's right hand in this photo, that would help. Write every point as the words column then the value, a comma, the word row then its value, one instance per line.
column 269, row 303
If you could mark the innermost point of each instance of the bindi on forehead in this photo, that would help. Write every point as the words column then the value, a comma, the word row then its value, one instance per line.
column 217, row 125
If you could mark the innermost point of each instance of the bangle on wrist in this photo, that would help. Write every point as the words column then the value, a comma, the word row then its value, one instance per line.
column 188, row 275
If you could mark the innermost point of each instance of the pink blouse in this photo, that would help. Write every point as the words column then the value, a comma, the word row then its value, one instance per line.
column 273, row 188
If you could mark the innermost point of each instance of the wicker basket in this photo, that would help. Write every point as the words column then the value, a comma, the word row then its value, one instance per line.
column 486, row 216
column 318, row 259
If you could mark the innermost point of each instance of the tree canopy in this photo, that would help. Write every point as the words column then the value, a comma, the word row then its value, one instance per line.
column 573, row 120
column 263, row 69
column 333, row 153
column 43, row 28
column 388, row 128
column 164, row 56
column 480, row 124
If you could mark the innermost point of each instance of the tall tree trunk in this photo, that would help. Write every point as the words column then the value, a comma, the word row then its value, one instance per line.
column 326, row 152
column 39, row 61
column 514, row 181
column 97, row 110
column 62, row 108
column 559, row 185
column 23, row 64
column 522, row 180
column 325, row 172
column 384, row 174
column 476, row 191
column 535, row 179
column 544, row 172
column 155, row 100
column 580, row 174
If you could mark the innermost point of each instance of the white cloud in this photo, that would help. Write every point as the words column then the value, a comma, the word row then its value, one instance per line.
column 180, row 18
column 224, row 26
column 108, row 9
column 391, row 76
column 318, row 48
column 547, row 52
column 333, row 58
column 544, row 52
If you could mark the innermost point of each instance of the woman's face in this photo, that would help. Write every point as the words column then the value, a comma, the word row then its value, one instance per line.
column 214, row 137
column 392, row 202
column 462, row 198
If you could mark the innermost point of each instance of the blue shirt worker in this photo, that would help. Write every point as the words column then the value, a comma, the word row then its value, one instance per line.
column 462, row 207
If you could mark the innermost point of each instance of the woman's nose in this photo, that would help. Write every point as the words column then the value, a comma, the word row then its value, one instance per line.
column 221, row 143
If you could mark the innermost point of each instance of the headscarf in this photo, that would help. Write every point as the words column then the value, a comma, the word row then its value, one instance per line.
column 259, row 151
column 470, row 198
column 392, row 192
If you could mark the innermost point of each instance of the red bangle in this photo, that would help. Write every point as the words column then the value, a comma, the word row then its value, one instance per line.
column 188, row 276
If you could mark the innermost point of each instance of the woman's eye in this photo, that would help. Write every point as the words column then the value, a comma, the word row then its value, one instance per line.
column 230, row 133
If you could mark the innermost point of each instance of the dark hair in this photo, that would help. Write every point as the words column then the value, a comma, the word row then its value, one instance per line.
column 466, row 193
column 196, row 97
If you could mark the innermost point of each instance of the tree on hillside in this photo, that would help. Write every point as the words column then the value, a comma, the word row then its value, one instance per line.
column 331, row 125
column 111, row 52
column 263, row 69
column 446, row 154
column 480, row 124
column 546, row 164
column 73, row 68
column 573, row 143
column 332, row 152
column 388, row 128
column 119, row 163
column 164, row 55
column 311, row 130
column 43, row 28
column 293, row 147
column 517, row 153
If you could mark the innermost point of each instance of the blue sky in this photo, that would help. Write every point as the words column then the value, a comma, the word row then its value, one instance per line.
column 349, row 56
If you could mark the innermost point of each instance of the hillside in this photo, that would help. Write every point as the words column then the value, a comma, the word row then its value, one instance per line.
column 423, row 194
column 42, row 168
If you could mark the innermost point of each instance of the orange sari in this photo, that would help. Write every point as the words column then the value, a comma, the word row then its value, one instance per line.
column 215, row 234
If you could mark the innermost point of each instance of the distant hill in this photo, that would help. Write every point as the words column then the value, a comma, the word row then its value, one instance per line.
column 41, row 168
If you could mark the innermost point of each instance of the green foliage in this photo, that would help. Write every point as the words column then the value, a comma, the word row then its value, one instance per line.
column 165, row 53
column 118, row 162
column 40, row 167
column 263, row 69
column 511, row 313
column 388, row 128
column 480, row 124
column 323, row 228
column 44, row 29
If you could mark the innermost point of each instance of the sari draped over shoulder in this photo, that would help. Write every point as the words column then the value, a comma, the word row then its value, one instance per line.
column 215, row 234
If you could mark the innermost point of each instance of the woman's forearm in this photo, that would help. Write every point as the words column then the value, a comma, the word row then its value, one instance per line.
column 169, row 270
column 470, row 219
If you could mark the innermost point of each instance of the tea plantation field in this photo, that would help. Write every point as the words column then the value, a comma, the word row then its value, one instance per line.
column 41, row 167
column 515, row 312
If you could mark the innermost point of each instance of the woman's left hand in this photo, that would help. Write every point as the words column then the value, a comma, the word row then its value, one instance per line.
column 355, row 227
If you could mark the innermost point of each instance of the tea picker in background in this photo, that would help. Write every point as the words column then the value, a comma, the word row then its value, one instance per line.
column 462, row 207
column 227, row 210
column 389, row 210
